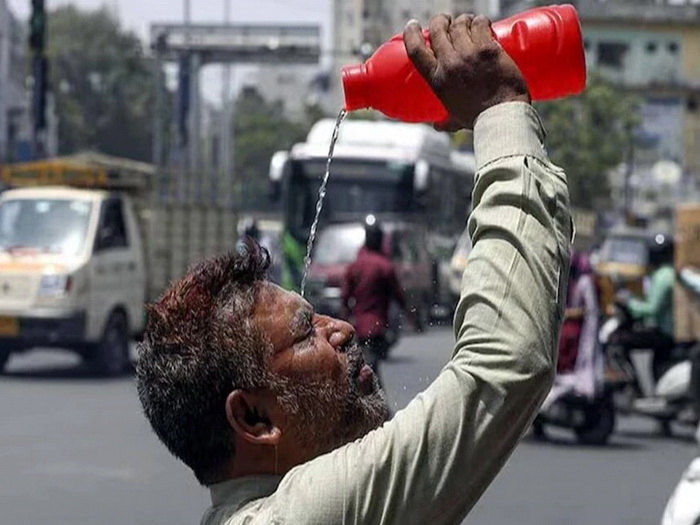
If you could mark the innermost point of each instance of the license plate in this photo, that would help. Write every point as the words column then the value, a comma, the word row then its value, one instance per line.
column 9, row 326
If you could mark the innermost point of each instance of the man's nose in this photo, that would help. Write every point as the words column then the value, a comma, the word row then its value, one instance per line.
column 339, row 331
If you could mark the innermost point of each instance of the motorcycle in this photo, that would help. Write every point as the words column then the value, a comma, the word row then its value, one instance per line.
column 683, row 507
column 592, row 420
column 591, row 417
column 629, row 376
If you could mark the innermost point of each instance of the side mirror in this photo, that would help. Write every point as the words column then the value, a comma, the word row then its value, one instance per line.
column 421, row 177
column 278, row 164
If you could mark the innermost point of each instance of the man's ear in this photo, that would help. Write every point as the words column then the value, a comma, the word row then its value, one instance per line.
column 250, row 416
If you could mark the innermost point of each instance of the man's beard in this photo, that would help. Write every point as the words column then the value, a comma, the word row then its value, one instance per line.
column 324, row 415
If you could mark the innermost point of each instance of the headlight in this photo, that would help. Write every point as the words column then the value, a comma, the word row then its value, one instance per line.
column 54, row 285
column 332, row 292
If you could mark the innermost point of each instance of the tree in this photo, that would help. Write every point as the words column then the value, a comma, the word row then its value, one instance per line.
column 260, row 129
column 102, row 84
column 589, row 135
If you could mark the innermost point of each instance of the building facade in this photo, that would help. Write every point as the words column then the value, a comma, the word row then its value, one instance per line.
column 13, row 103
column 651, row 48
column 295, row 86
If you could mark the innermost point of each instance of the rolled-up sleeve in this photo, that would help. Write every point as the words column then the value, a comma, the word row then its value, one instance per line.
column 432, row 462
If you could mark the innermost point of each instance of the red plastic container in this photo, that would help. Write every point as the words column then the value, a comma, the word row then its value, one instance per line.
column 546, row 44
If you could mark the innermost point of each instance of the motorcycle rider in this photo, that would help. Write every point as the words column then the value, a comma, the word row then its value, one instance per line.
column 690, row 277
column 370, row 285
column 655, row 310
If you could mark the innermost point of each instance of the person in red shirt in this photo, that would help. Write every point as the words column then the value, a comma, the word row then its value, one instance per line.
column 370, row 284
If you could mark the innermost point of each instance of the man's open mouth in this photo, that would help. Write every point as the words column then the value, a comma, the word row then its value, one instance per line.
column 356, row 359
column 360, row 372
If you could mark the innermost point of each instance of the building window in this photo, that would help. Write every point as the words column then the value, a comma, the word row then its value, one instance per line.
column 651, row 47
column 586, row 45
column 673, row 47
column 612, row 54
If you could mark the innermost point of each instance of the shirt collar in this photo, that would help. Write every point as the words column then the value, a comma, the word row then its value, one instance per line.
column 237, row 492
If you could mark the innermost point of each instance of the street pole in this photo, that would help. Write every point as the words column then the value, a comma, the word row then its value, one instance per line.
column 158, row 117
column 184, row 173
column 226, row 142
column 629, row 171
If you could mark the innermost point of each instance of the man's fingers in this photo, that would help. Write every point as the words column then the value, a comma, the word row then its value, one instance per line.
column 418, row 51
column 440, row 36
column 460, row 32
column 481, row 31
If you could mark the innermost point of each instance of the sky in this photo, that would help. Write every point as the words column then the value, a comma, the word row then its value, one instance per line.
column 138, row 15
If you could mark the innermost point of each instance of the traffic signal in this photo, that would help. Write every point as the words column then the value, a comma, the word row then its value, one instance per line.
column 37, row 27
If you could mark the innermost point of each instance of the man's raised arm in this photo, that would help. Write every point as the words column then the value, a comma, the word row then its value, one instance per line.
column 432, row 462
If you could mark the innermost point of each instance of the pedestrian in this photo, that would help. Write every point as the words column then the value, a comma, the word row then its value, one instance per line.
column 655, row 310
column 580, row 368
column 273, row 407
column 690, row 278
column 369, row 287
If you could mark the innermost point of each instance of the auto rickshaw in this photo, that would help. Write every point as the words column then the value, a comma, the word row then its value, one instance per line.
column 622, row 263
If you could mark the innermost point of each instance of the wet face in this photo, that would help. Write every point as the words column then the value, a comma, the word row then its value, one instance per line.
column 327, row 392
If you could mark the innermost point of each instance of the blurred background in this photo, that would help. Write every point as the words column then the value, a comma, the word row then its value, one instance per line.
column 139, row 137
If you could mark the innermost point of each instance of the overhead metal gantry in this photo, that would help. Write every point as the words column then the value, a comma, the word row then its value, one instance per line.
column 192, row 46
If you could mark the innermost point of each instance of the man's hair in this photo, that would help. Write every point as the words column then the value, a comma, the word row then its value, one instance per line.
column 200, row 345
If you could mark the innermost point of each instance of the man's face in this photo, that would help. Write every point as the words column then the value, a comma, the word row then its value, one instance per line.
column 328, row 393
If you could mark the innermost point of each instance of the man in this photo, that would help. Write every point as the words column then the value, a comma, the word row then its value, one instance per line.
column 372, row 284
column 690, row 277
column 655, row 310
column 272, row 406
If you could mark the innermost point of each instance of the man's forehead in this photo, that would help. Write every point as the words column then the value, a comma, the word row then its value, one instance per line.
column 275, row 301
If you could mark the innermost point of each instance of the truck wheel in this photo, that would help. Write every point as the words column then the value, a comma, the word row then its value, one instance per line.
column 110, row 356
column 4, row 358
column 600, row 429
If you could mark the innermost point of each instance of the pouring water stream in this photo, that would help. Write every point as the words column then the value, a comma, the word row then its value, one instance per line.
column 321, row 196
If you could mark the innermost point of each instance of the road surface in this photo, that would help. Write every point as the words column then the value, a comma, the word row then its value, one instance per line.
column 77, row 451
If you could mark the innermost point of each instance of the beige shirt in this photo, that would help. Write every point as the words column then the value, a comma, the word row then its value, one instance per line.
column 434, row 459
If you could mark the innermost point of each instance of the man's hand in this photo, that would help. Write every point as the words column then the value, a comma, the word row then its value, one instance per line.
column 465, row 66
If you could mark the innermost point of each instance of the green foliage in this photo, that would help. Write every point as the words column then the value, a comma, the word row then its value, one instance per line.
column 589, row 135
column 260, row 129
column 102, row 83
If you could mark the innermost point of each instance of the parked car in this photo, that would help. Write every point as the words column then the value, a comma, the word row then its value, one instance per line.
column 337, row 247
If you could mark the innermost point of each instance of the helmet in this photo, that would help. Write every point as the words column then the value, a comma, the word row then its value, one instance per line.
column 374, row 236
column 661, row 249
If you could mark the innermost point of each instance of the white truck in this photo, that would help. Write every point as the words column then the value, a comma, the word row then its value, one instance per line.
column 85, row 243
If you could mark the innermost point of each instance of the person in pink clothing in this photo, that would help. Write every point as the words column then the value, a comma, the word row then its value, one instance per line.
column 369, row 286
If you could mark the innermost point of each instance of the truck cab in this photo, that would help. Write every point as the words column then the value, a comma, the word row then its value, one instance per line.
column 72, row 274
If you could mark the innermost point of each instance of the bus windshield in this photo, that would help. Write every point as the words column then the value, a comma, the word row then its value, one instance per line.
column 355, row 189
